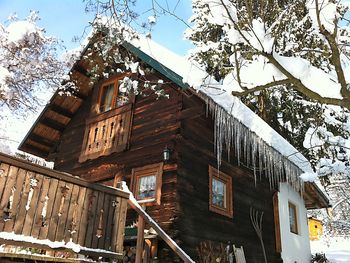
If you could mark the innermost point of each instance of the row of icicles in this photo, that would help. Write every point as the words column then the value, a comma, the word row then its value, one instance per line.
column 250, row 150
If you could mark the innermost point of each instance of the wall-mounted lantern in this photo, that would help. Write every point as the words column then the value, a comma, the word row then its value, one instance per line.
column 166, row 153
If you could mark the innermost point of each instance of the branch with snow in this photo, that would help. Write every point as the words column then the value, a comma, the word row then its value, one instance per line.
column 29, row 63
column 297, row 42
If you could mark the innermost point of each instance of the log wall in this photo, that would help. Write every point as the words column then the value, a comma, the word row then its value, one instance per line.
column 196, row 223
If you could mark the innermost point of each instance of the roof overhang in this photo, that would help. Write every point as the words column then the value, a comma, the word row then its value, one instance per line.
column 313, row 196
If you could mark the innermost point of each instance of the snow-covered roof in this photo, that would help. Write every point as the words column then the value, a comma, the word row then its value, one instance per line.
column 268, row 143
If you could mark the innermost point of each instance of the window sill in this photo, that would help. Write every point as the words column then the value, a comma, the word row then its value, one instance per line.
column 225, row 212
column 143, row 201
column 297, row 234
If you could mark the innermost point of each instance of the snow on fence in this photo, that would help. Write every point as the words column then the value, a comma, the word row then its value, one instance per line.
column 46, row 209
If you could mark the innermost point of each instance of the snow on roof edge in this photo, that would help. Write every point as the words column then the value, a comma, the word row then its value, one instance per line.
column 196, row 77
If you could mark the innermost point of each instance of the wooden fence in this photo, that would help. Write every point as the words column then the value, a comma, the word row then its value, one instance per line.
column 48, row 205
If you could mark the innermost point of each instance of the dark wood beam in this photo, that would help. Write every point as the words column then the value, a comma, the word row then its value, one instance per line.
column 81, row 70
column 62, row 111
column 191, row 113
column 42, row 140
column 28, row 148
column 73, row 92
column 76, row 93
column 60, row 175
column 315, row 195
column 52, row 124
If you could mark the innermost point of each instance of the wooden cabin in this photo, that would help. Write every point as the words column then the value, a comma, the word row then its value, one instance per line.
column 101, row 136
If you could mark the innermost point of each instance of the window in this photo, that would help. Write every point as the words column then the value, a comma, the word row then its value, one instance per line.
column 293, row 218
column 109, row 95
column 220, row 192
column 146, row 183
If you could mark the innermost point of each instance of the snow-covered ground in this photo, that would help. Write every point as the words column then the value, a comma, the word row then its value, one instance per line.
column 337, row 250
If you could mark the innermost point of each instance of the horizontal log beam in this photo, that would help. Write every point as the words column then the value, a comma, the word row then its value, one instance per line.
column 81, row 70
column 52, row 124
column 60, row 175
column 34, row 150
column 191, row 113
column 62, row 111
column 41, row 140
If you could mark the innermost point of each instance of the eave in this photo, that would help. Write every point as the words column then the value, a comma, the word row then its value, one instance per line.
column 153, row 63
column 314, row 198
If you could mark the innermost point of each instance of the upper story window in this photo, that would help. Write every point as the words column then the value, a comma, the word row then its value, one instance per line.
column 220, row 192
column 110, row 97
column 146, row 183
column 293, row 218
column 108, row 92
column 107, row 131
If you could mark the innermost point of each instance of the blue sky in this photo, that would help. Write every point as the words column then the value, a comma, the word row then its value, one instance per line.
column 66, row 19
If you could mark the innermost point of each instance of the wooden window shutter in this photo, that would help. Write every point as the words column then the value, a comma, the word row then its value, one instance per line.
column 277, row 223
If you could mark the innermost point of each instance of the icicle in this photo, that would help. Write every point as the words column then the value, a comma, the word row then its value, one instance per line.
column 251, row 149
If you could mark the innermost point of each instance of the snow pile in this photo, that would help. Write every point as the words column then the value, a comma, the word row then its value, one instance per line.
column 314, row 78
column 52, row 244
column 308, row 177
column 337, row 249
column 20, row 31
column 328, row 14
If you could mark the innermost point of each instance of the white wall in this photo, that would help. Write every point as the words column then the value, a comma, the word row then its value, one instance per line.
column 295, row 247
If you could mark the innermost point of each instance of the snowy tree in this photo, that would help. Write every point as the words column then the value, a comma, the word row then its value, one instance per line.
column 29, row 64
column 289, row 62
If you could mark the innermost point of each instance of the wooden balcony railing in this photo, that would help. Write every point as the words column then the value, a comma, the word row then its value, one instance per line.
column 51, row 207
column 106, row 133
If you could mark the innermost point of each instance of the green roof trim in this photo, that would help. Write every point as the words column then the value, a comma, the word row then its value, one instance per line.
column 156, row 65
